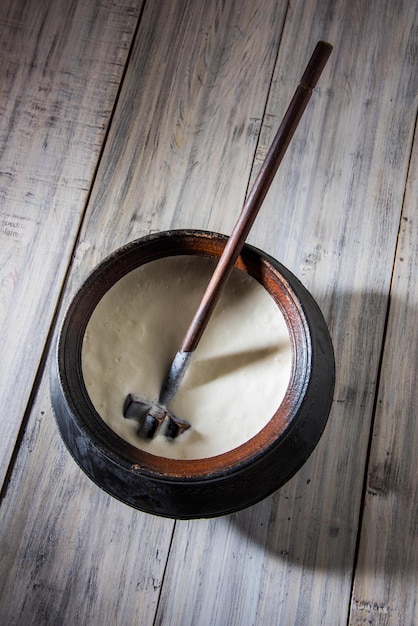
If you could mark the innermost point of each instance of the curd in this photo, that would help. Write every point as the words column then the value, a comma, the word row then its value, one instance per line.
column 236, row 379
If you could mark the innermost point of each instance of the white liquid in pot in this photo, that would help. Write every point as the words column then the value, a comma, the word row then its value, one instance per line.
column 237, row 377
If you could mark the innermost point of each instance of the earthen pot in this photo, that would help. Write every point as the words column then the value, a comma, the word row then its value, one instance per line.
column 204, row 487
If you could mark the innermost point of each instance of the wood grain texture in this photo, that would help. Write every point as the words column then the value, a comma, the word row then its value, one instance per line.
column 206, row 86
column 180, row 149
column 386, row 574
column 61, row 67
column 69, row 553
column 203, row 35
column 333, row 216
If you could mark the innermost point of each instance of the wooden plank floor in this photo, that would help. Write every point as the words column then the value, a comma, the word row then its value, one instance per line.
column 123, row 118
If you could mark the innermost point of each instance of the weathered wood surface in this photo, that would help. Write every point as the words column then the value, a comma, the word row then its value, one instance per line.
column 333, row 217
column 184, row 52
column 387, row 569
column 61, row 65
column 204, row 91
column 180, row 150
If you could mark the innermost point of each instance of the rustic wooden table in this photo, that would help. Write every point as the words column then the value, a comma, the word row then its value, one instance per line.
column 118, row 119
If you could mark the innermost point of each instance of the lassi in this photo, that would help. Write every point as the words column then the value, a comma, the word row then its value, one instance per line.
column 238, row 375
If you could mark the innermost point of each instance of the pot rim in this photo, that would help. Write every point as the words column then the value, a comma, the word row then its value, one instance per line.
column 266, row 270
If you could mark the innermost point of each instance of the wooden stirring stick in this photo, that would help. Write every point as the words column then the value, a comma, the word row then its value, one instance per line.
column 151, row 415
column 246, row 219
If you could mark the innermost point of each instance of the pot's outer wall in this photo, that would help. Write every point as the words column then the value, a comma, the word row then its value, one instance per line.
column 239, row 486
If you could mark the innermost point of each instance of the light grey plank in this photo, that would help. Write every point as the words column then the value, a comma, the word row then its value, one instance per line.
column 61, row 66
column 385, row 582
column 180, row 150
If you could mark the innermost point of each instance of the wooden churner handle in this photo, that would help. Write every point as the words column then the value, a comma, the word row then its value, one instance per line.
column 257, row 194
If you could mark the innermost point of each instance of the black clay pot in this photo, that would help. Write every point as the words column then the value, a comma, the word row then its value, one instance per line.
column 204, row 487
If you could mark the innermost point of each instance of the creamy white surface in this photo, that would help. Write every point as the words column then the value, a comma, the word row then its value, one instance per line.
column 236, row 380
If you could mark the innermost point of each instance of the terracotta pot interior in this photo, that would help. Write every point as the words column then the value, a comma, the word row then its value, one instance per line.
column 256, row 264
